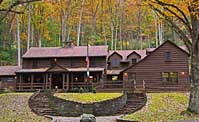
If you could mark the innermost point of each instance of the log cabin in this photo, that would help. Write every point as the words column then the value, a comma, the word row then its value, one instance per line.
column 164, row 69
column 156, row 69
column 8, row 77
column 61, row 67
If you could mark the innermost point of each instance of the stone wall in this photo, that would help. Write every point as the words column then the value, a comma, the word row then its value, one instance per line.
column 63, row 107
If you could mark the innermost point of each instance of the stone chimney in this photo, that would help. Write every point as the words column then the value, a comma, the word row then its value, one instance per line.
column 68, row 44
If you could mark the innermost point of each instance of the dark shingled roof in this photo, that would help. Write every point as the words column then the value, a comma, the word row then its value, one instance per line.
column 8, row 70
column 75, row 51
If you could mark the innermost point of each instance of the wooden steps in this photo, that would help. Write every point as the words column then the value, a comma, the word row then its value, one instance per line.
column 135, row 101
column 40, row 104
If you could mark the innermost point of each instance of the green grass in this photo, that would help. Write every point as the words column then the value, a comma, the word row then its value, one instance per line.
column 14, row 108
column 88, row 97
column 163, row 107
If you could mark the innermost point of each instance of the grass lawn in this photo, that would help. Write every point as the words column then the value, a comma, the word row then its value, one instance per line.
column 14, row 108
column 88, row 97
column 163, row 107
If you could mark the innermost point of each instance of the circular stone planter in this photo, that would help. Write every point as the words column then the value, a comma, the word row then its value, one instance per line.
column 62, row 107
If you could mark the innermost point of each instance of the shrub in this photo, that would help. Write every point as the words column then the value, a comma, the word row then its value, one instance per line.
column 94, row 90
column 75, row 90
column 81, row 90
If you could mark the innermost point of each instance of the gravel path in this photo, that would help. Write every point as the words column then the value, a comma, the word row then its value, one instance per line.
column 77, row 119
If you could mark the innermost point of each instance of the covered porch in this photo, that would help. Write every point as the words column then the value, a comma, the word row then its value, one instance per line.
column 79, row 77
column 32, row 79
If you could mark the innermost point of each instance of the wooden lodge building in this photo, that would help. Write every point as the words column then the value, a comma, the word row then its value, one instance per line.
column 162, row 69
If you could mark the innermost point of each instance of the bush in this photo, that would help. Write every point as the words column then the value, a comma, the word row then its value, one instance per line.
column 94, row 90
column 75, row 90
column 81, row 90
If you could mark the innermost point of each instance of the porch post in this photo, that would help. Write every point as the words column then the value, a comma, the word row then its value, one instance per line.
column 67, row 78
column 85, row 80
column 98, row 76
column 50, row 81
column 71, row 80
column 64, row 79
column 32, row 80
column 46, row 81
column 20, row 80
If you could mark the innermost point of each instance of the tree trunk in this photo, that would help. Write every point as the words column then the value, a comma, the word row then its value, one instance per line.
column 18, row 40
column 93, row 15
column 28, row 42
column 80, row 22
column 194, row 94
column 104, row 33
column 156, row 30
column 112, row 35
column 140, row 40
column 116, row 31
column 64, row 18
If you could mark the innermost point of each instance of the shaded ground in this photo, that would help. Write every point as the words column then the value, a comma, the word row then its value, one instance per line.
column 163, row 107
column 14, row 108
column 77, row 119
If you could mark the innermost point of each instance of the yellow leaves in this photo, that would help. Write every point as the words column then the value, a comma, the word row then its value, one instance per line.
column 46, row 35
column 23, row 36
column 171, row 8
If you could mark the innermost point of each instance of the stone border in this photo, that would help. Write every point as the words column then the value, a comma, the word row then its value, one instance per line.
column 62, row 107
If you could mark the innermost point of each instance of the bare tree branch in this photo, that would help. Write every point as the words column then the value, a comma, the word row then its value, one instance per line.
column 9, row 9
column 173, row 6
column 184, row 20
column 180, row 32
column 12, row 11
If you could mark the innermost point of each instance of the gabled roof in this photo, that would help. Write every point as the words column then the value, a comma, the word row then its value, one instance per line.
column 134, row 53
column 126, row 53
column 56, row 67
column 8, row 70
column 75, row 51
column 145, row 58
column 115, row 52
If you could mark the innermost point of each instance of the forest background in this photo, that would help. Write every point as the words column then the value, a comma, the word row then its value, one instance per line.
column 121, row 24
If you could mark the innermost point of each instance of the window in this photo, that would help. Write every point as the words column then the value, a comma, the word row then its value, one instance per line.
column 171, row 77
column 92, row 62
column 168, row 56
column 131, row 76
column 134, row 61
column 34, row 64
column 115, row 63
column 114, row 78
column 10, row 79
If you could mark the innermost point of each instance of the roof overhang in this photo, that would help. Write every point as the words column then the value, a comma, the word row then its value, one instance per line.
column 40, row 70
column 84, row 69
column 113, row 72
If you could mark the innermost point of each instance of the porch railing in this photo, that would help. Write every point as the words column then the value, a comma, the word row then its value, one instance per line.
column 113, row 84
column 32, row 85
